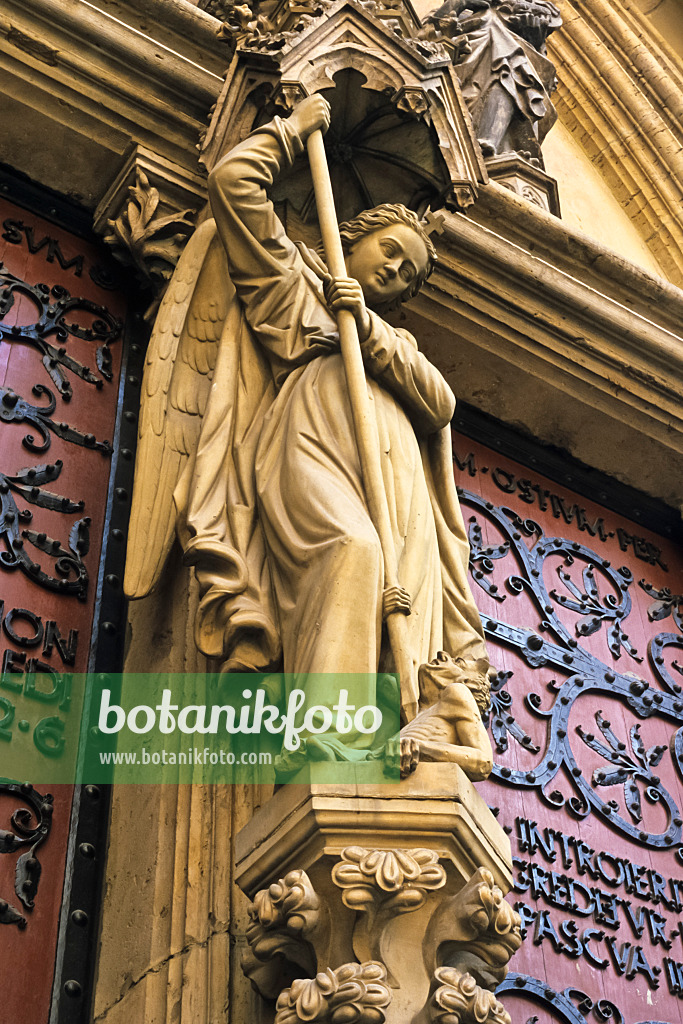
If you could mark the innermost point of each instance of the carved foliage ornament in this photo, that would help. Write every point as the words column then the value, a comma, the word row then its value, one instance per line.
column 273, row 26
column 485, row 923
column 456, row 998
column 467, row 943
column 281, row 919
column 475, row 932
column 290, row 903
column 147, row 240
column 351, row 994
column 393, row 878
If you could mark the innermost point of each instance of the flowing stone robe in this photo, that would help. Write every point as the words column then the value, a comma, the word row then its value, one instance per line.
column 308, row 569
column 501, row 59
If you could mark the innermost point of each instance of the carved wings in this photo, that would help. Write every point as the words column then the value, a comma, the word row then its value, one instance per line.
column 177, row 378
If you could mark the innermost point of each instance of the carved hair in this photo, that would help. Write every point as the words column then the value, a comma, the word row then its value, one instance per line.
column 466, row 672
column 382, row 216
column 478, row 685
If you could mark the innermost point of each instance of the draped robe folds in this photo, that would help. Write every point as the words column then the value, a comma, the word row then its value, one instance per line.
column 500, row 57
column 272, row 510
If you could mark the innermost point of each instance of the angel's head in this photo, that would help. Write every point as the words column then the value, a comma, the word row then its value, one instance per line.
column 389, row 253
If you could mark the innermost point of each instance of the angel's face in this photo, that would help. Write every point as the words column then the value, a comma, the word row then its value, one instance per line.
column 386, row 262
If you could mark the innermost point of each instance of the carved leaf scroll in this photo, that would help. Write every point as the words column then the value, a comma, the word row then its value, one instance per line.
column 476, row 931
column 147, row 240
column 380, row 885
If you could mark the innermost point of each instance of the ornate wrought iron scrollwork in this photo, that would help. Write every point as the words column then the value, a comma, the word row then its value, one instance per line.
column 501, row 719
column 580, row 671
column 53, row 305
column 15, row 409
column 628, row 768
column 588, row 603
column 30, row 826
column 571, row 1006
column 71, row 575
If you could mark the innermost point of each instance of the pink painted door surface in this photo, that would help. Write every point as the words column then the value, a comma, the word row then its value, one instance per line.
column 583, row 614
column 60, row 355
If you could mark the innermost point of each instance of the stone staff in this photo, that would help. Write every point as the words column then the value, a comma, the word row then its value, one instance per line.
column 396, row 600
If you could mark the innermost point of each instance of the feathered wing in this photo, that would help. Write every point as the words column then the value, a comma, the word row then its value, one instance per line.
column 463, row 633
column 178, row 372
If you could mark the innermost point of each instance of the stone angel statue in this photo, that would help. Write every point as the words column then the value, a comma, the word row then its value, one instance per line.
column 247, row 449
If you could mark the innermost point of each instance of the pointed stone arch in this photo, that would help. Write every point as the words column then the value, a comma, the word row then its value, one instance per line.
column 287, row 61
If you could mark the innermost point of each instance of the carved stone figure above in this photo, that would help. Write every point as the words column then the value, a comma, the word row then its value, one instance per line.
column 248, row 446
column 499, row 52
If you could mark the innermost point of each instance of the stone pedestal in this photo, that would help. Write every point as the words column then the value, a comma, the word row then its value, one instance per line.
column 384, row 901
column 527, row 180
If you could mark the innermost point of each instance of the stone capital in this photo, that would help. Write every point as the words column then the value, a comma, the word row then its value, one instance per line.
column 148, row 213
